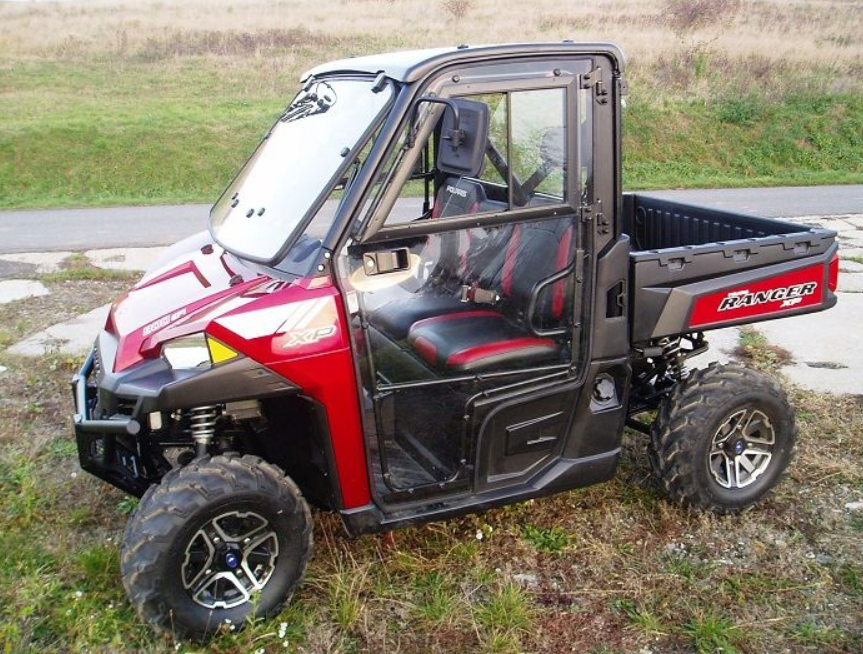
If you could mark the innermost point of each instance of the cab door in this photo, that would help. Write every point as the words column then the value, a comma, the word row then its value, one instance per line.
column 465, row 289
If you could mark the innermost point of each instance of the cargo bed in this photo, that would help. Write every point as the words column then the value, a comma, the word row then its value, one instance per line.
column 695, row 268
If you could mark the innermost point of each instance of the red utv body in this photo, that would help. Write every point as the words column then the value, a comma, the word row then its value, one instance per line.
column 425, row 294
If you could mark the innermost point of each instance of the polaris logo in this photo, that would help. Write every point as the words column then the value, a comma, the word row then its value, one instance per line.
column 790, row 295
column 456, row 191
column 164, row 321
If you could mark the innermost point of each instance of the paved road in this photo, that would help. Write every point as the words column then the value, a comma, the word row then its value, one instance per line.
column 85, row 229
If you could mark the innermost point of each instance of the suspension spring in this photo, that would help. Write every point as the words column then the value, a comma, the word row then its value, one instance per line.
column 672, row 354
column 202, row 421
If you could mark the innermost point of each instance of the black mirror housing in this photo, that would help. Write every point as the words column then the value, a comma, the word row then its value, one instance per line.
column 464, row 137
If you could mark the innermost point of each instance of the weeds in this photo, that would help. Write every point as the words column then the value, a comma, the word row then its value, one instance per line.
column 758, row 352
column 689, row 15
column 712, row 634
column 503, row 618
column 551, row 539
column 851, row 577
column 457, row 9
column 641, row 619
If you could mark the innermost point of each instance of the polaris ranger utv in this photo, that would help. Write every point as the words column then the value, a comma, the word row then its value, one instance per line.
column 424, row 295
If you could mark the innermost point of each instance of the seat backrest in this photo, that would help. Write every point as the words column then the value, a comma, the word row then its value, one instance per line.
column 533, row 252
column 455, row 197
column 458, row 196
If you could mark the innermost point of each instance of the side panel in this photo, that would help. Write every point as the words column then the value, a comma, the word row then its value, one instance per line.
column 302, row 335
column 725, row 298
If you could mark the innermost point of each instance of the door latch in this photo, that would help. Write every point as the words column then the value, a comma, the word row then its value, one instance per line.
column 386, row 261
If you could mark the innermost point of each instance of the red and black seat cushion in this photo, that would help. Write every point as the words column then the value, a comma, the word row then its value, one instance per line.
column 478, row 340
column 457, row 196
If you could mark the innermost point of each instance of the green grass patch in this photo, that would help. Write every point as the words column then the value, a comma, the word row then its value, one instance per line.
column 713, row 634
column 176, row 130
column 551, row 539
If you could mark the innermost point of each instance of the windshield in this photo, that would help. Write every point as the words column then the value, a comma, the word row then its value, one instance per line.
column 296, row 165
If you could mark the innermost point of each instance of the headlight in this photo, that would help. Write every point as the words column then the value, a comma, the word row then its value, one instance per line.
column 187, row 352
column 196, row 351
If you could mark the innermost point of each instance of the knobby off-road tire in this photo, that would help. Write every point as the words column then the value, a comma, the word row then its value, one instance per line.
column 217, row 542
column 712, row 420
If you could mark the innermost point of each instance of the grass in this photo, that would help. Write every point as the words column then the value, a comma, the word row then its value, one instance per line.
column 712, row 634
column 117, row 103
column 551, row 539
column 756, row 351
column 611, row 568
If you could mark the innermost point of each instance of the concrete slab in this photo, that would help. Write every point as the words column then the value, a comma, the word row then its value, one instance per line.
column 826, row 356
column 44, row 262
column 14, row 270
column 851, row 283
column 857, row 253
column 836, row 224
column 723, row 342
column 850, row 266
column 19, row 289
column 74, row 336
column 133, row 259
column 851, row 239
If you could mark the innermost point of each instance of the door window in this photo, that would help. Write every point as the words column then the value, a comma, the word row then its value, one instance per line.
column 524, row 164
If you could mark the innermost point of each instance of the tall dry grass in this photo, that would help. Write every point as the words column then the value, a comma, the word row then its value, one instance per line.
column 755, row 40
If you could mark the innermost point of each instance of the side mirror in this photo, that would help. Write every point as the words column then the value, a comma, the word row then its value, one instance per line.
column 464, row 135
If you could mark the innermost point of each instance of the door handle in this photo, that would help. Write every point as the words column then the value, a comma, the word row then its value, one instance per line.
column 386, row 261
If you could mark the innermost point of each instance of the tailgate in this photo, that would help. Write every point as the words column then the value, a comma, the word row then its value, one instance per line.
column 692, row 288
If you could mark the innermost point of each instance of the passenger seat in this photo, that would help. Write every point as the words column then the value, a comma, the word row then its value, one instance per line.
column 457, row 196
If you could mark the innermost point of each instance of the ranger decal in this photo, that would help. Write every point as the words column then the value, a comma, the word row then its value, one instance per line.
column 764, row 298
column 790, row 294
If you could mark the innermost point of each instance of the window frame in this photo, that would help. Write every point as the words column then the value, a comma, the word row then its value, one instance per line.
column 458, row 83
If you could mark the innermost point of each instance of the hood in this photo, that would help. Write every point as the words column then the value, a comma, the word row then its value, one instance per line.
column 193, row 282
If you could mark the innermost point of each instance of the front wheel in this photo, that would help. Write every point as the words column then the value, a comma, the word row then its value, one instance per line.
column 723, row 438
column 222, row 540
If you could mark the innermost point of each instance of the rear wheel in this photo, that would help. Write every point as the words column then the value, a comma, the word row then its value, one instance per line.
column 219, row 541
column 723, row 438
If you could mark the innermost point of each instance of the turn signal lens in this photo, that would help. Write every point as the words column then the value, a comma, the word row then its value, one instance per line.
column 219, row 352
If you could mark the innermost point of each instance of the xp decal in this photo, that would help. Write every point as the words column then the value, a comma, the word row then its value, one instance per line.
column 307, row 336
column 793, row 290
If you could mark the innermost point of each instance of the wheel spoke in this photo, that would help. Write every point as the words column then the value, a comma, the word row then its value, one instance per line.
column 238, row 518
column 757, row 425
column 730, row 473
column 746, row 463
column 197, row 554
column 251, row 556
column 216, row 582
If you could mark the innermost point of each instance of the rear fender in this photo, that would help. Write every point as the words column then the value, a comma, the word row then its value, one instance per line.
column 789, row 288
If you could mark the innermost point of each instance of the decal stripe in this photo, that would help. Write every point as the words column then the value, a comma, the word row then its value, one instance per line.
column 304, row 309
column 771, row 297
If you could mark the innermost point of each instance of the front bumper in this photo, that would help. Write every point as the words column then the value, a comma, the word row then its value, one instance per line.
column 112, row 409
column 107, row 448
